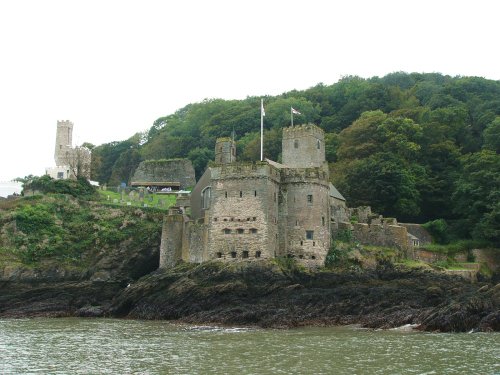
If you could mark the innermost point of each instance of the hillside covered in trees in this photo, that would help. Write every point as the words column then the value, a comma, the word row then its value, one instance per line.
column 420, row 147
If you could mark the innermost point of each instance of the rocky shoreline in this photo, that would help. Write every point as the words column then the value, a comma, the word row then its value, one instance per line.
column 260, row 294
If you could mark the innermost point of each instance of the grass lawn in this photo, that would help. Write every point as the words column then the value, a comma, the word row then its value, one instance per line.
column 160, row 201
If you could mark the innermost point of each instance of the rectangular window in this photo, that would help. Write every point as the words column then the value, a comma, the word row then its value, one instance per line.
column 309, row 199
column 309, row 235
column 60, row 175
column 240, row 231
column 227, row 231
column 323, row 220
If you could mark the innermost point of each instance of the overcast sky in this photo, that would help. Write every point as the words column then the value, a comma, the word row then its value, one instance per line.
column 114, row 66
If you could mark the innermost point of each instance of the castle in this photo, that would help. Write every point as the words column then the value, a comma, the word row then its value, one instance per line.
column 265, row 209
column 70, row 161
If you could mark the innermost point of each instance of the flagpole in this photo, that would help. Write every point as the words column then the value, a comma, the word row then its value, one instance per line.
column 291, row 114
column 261, row 130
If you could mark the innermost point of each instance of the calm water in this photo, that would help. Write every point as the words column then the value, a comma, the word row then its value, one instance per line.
column 102, row 346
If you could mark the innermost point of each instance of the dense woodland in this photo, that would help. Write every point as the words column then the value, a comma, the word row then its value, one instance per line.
column 419, row 147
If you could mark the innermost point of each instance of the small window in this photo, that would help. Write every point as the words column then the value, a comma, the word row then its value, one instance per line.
column 296, row 143
column 318, row 144
column 309, row 198
column 205, row 197
column 314, row 243
column 296, row 223
column 215, row 219
column 219, row 255
column 245, row 254
column 254, row 218
column 240, row 231
column 255, row 193
column 225, row 219
column 241, row 194
column 227, row 231
column 323, row 220
column 253, row 230
column 233, row 254
column 257, row 254
column 309, row 234
column 248, row 219
column 313, row 257
column 225, row 193
column 301, row 243
column 60, row 175
column 275, row 197
column 301, row 256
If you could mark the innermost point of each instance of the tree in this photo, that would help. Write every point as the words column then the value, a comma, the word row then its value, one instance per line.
column 477, row 194
column 491, row 136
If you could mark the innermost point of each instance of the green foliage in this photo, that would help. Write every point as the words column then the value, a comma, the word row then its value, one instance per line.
column 457, row 246
column 288, row 264
column 477, row 195
column 397, row 143
column 335, row 256
column 80, row 187
column 438, row 229
column 63, row 228
column 343, row 236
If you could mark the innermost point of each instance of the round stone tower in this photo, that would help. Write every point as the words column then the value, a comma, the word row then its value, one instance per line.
column 303, row 146
column 225, row 150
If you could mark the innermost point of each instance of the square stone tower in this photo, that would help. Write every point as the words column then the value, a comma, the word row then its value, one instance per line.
column 64, row 141
column 303, row 146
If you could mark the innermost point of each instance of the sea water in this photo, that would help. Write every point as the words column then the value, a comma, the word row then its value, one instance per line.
column 111, row 346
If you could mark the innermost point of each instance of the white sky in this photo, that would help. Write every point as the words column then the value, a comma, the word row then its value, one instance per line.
column 114, row 66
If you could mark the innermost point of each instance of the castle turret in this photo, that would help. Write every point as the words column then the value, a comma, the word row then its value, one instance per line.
column 64, row 140
column 225, row 150
column 303, row 146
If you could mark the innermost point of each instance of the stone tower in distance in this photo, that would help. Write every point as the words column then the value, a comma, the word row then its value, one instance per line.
column 225, row 150
column 303, row 146
column 64, row 141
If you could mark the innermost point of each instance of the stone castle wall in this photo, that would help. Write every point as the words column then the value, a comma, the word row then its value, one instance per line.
column 244, row 212
column 381, row 235
column 172, row 170
column 172, row 236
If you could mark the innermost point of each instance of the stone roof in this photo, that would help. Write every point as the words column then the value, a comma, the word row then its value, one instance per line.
column 335, row 193
column 276, row 164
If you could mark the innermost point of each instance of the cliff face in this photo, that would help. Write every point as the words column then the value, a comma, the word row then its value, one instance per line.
column 264, row 294
column 59, row 255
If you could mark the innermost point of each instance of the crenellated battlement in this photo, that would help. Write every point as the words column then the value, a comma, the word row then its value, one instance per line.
column 313, row 174
column 244, row 170
column 302, row 131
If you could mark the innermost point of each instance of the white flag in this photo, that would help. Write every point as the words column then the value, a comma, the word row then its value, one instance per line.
column 295, row 112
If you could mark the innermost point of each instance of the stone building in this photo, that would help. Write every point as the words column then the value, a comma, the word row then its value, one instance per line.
column 265, row 209
column 70, row 161
column 176, row 174
column 249, row 210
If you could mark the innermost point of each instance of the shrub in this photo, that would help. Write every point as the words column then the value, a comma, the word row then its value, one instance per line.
column 438, row 229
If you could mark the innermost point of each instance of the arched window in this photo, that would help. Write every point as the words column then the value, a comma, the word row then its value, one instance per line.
column 205, row 197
